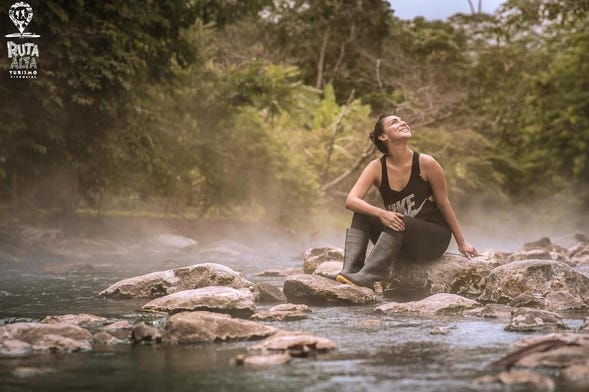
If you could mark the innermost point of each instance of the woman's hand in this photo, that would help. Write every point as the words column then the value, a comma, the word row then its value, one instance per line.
column 393, row 220
column 468, row 250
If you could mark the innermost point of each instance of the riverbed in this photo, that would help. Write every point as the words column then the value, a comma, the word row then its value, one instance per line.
column 375, row 352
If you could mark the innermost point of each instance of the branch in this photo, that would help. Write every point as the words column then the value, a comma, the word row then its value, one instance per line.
column 320, row 64
column 367, row 153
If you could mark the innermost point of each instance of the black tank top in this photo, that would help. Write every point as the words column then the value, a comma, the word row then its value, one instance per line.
column 413, row 199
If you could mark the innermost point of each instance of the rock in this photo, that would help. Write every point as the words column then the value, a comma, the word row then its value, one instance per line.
column 543, row 242
column 437, row 304
column 450, row 273
column 317, row 290
column 43, row 337
column 585, row 326
column 564, row 301
column 438, row 331
column 157, row 284
column 535, row 278
column 560, row 357
column 296, row 343
column 29, row 371
column 83, row 319
column 10, row 348
column 564, row 337
column 212, row 298
column 262, row 360
column 578, row 374
column 284, row 312
column 315, row 256
column 579, row 253
column 284, row 272
column 119, row 329
column 268, row 293
column 528, row 319
column 538, row 254
column 105, row 338
column 143, row 333
column 494, row 311
column 328, row 268
column 201, row 326
column 528, row 379
column 371, row 323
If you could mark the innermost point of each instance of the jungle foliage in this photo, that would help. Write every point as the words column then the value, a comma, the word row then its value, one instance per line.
column 262, row 108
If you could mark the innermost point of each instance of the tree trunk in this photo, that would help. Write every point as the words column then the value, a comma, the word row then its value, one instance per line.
column 321, row 62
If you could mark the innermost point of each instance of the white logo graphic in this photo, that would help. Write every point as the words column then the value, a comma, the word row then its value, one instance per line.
column 405, row 206
column 22, row 55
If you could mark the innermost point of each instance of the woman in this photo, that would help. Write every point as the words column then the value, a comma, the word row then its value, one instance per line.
column 417, row 222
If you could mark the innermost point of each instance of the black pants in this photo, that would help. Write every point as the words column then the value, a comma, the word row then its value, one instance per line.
column 422, row 241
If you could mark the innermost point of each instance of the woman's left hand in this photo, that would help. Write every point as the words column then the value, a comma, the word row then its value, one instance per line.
column 468, row 250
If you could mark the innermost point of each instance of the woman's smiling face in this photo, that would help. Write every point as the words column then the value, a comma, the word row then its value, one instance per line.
column 395, row 128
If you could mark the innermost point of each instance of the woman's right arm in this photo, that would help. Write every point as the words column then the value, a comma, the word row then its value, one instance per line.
column 355, row 200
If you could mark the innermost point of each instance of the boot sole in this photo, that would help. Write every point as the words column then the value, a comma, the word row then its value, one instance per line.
column 344, row 280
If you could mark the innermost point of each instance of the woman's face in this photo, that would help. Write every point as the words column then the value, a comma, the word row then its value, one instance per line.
column 395, row 128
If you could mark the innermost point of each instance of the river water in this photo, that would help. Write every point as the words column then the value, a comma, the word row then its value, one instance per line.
column 391, row 354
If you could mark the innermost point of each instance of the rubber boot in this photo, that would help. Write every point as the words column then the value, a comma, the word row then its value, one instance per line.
column 354, row 252
column 377, row 263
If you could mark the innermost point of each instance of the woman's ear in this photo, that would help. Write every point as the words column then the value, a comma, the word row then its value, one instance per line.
column 382, row 137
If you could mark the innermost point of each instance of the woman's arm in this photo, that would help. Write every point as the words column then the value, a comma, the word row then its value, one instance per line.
column 437, row 180
column 355, row 200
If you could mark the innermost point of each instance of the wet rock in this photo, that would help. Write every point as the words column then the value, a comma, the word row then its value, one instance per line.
column 564, row 337
column 541, row 243
column 82, row 319
column 199, row 327
column 578, row 375
column 45, row 337
column 329, row 268
column 579, row 253
column 528, row 319
column 157, row 284
column 143, row 333
column 119, row 329
column 10, row 348
column 564, row 301
column 315, row 256
column 104, row 338
column 221, row 299
column 371, row 323
column 535, row 278
column 520, row 379
column 493, row 311
column 585, row 326
column 284, row 312
column 560, row 357
column 451, row 273
column 296, row 343
column 437, row 304
column 268, row 294
column 262, row 360
column 317, row 290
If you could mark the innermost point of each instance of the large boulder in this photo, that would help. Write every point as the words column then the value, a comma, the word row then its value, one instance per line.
column 315, row 256
column 528, row 319
column 199, row 327
column 157, row 284
column 212, row 298
column 548, row 281
column 451, row 273
column 19, row 339
column 437, row 304
column 317, row 290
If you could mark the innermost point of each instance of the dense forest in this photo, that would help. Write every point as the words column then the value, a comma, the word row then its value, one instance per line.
column 262, row 108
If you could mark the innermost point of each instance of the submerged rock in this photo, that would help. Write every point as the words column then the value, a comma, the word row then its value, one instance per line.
column 494, row 311
column 296, row 343
column 315, row 256
column 43, row 337
column 524, row 379
column 528, row 319
column 157, row 284
column 262, row 360
column 119, row 329
column 437, row 304
column 213, row 298
column 106, row 339
column 199, row 327
column 317, row 290
column 536, row 278
column 143, row 333
column 284, row 312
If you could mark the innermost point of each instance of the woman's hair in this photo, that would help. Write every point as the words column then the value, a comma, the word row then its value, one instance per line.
column 379, row 130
